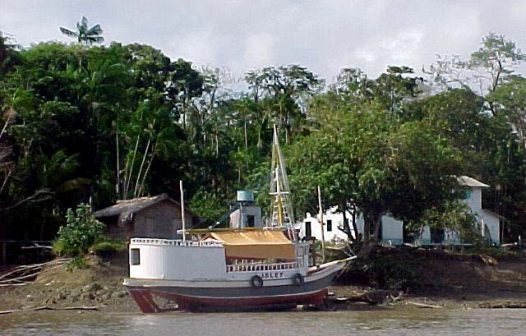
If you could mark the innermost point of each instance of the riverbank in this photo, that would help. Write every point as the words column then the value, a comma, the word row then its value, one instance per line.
column 393, row 278
column 97, row 287
column 438, row 277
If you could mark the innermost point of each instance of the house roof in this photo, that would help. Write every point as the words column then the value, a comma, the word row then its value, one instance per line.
column 494, row 214
column 471, row 182
column 127, row 207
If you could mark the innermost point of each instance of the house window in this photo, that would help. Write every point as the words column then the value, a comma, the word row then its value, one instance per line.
column 437, row 236
column 250, row 221
column 329, row 225
column 135, row 256
column 308, row 230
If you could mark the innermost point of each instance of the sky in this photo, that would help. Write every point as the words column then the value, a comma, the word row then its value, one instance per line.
column 241, row 35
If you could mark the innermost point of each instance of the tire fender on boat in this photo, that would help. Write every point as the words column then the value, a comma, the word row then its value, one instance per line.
column 256, row 281
column 298, row 279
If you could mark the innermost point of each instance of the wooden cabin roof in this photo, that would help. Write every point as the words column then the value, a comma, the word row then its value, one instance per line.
column 124, row 208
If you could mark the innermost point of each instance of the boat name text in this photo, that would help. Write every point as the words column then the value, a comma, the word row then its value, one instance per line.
column 272, row 275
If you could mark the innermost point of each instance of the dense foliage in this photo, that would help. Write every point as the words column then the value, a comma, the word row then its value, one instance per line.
column 81, row 231
column 82, row 122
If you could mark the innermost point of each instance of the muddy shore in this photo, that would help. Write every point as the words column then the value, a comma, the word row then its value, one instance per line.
column 445, row 281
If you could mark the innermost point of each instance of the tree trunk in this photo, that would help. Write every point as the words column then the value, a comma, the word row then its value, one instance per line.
column 137, row 182
column 245, row 133
column 118, row 165
column 372, row 222
column 346, row 227
column 127, row 178
column 141, row 187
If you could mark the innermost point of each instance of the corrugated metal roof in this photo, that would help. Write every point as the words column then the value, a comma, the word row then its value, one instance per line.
column 126, row 207
column 471, row 182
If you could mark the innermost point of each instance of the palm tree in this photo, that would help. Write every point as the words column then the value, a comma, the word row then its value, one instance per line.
column 83, row 34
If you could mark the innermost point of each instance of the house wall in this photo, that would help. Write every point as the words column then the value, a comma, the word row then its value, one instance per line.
column 334, row 235
column 488, row 223
column 474, row 201
column 114, row 229
column 450, row 237
column 161, row 220
column 492, row 226
column 392, row 229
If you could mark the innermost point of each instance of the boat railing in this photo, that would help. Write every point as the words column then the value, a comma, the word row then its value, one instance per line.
column 175, row 242
column 255, row 267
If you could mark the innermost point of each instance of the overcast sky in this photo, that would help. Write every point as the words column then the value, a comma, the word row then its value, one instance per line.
column 324, row 36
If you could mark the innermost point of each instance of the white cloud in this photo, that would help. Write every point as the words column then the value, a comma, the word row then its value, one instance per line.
column 258, row 51
column 322, row 35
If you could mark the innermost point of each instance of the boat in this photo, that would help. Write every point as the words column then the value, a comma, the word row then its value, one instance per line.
column 246, row 266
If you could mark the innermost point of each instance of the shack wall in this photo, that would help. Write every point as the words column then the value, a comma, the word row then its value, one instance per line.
column 161, row 220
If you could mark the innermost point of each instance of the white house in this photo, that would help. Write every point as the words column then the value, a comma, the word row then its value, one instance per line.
column 392, row 230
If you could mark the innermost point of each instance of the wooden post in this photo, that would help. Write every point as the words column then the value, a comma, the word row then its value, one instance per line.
column 182, row 210
column 322, row 227
column 4, row 253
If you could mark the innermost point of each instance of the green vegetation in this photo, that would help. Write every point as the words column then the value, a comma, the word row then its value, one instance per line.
column 107, row 122
column 82, row 234
column 81, row 231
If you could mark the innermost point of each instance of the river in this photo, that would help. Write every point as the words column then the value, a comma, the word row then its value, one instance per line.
column 501, row 322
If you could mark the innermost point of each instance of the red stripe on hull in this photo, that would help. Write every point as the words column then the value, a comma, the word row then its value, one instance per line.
column 145, row 301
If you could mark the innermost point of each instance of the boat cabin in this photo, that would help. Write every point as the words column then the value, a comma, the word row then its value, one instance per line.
column 245, row 214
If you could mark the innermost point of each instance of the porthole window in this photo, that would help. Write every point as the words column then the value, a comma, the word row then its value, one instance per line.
column 135, row 256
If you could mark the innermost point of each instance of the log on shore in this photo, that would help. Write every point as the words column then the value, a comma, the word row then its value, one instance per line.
column 374, row 297
column 49, row 308
column 423, row 305
column 500, row 305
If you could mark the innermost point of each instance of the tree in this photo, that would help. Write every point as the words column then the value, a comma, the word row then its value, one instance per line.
column 8, row 55
column 484, row 71
column 363, row 156
column 83, row 34
column 395, row 87
column 288, row 88
column 509, row 104
column 6, row 154
column 185, row 85
column 498, row 56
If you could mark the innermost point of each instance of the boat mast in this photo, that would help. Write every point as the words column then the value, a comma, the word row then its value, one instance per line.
column 282, row 212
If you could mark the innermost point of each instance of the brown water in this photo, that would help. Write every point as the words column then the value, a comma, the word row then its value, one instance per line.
column 501, row 322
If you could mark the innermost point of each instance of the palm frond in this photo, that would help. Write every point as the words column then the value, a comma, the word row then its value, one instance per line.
column 95, row 30
column 68, row 32
column 84, row 22
column 95, row 39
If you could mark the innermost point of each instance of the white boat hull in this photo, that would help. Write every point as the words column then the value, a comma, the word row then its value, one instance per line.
column 163, row 295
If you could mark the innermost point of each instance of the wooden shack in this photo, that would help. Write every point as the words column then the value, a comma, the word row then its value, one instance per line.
column 145, row 217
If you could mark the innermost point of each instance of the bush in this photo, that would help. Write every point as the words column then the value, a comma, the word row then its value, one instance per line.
column 107, row 248
column 77, row 262
column 81, row 231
